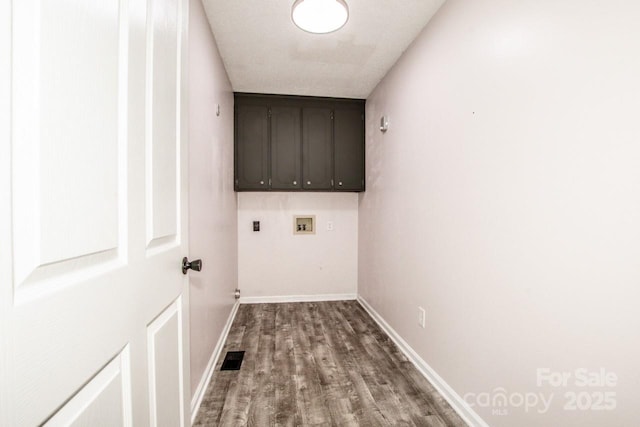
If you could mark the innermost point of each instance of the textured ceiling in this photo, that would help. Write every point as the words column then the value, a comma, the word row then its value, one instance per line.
column 264, row 52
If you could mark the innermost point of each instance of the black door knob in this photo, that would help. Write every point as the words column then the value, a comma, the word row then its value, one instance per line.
column 194, row 265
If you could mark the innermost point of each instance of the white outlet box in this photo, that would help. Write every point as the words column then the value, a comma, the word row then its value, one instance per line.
column 329, row 225
column 422, row 317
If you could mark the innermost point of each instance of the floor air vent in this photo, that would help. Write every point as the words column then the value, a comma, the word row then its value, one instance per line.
column 232, row 361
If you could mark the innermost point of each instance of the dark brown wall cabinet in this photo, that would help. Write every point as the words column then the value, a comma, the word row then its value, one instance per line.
column 285, row 148
column 291, row 143
column 348, row 129
column 252, row 147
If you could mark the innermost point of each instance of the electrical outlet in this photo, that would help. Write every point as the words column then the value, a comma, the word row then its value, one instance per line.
column 329, row 225
column 422, row 317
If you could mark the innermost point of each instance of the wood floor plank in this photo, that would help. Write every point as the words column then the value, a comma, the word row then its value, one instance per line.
column 284, row 368
column 262, row 400
column 313, row 410
column 392, row 364
column 319, row 364
column 363, row 406
column 236, row 405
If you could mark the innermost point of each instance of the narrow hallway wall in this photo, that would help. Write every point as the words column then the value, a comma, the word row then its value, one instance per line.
column 505, row 200
column 212, row 201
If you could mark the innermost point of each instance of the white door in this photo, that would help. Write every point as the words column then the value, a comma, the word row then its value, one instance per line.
column 93, row 213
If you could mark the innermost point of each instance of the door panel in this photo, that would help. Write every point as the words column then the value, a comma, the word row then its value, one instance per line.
column 66, row 126
column 93, row 198
column 317, row 152
column 105, row 400
column 163, row 144
column 6, row 259
column 285, row 148
column 166, row 394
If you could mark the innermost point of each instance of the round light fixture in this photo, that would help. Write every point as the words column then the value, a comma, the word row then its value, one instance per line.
column 320, row 16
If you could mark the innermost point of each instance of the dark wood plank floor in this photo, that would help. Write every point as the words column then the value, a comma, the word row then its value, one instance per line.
column 318, row 364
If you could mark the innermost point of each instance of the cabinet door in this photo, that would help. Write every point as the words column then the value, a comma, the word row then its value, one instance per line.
column 317, row 151
column 252, row 147
column 349, row 149
column 285, row 148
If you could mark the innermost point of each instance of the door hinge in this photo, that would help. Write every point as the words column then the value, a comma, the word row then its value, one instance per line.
column 269, row 112
column 331, row 115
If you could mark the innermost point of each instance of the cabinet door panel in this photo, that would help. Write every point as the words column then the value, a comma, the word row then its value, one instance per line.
column 317, row 150
column 252, row 147
column 285, row 148
column 349, row 149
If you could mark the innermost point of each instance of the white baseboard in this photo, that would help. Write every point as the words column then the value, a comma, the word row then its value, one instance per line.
column 198, row 395
column 455, row 400
column 297, row 298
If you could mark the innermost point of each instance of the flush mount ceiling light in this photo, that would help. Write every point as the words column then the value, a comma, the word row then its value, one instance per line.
column 320, row 16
